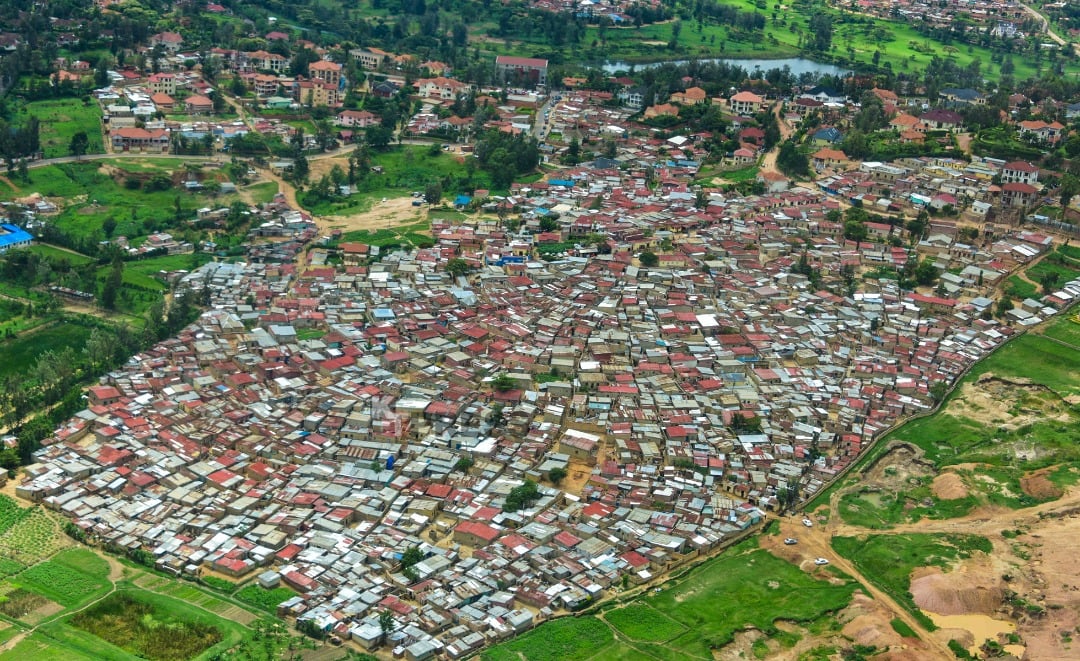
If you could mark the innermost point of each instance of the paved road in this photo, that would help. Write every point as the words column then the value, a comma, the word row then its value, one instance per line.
column 1049, row 32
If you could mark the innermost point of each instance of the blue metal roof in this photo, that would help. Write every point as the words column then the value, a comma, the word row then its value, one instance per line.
column 11, row 235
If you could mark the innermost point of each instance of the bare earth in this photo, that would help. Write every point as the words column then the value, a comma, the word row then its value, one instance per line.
column 1028, row 587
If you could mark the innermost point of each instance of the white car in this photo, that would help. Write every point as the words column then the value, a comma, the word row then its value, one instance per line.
column 808, row 523
column 821, row 561
column 791, row 540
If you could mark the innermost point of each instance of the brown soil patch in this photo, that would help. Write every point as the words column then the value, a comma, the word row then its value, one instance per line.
column 42, row 613
column 973, row 587
column 992, row 401
column 394, row 212
column 897, row 468
column 949, row 486
column 1037, row 485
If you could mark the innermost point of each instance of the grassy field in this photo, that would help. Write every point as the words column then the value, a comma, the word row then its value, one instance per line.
column 142, row 274
column 567, row 638
column 262, row 193
column 60, row 120
column 389, row 238
column 56, row 254
column 88, row 195
column 406, row 168
column 20, row 353
column 889, row 559
column 691, row 615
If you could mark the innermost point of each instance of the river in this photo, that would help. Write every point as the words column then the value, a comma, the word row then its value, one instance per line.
column 798, row 65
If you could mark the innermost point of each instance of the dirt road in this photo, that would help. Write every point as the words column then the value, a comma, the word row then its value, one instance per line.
column 768, row 162
column 815, row 542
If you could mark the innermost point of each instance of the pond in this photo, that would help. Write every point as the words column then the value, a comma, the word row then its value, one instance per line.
column 798, row 65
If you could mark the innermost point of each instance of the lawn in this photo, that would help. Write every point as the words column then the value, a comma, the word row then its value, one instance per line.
column 888, row 560
column 1020, row 289
column 391, row 238
column 40, row 647
column 1050, row 266
column 1069, row 331
column 738, row 176
column 83, row 560
column 1039, row 359
column 60, row 120
column 262, row 193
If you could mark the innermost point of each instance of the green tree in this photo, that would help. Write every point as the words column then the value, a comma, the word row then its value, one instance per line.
column 113, row 281
column 386, row 621
column 1003, row 306
column 1048, row 280
column 856, row 231
column 458, row 267
column 521, row 496
column 433, row 193
column 926, row 273
column 503, row 383
column 791, row 161
column 79, row 144
column 411, row 556
column 648, row 259
column 557, row 475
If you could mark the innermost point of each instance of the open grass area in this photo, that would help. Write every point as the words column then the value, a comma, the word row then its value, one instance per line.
column 20, row 353
column 1050, row 266
column 87, row 195
column 55, row 254
column 743, row 587
column 1036, row 358
column 693, row 614
column 391, row 238
column 41, row 647
column 566, row 638
column 262, row 193
column 738, row 176
column 643, row 622
column 1067, row 331
column 60, row 120
column 880, row 510
column 888, row 560
column 405, row 169
column 1019, row 289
